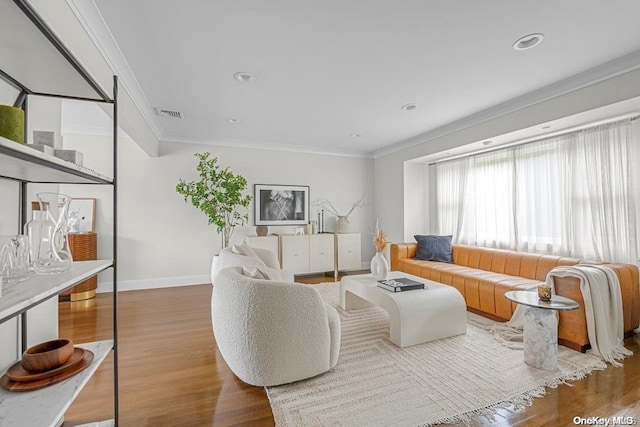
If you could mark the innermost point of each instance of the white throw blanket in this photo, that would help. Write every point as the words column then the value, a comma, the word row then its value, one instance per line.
column 603, row 310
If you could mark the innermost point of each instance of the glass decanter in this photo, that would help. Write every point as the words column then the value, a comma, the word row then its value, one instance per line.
column 52, row 255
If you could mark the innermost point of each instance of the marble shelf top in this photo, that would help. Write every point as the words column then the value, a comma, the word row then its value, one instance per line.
column 46, row 407
column 18, row 297
column 105, row 423
column 24, row 163
column 530, row 298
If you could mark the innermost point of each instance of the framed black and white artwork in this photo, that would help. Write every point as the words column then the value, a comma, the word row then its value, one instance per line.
column 82, row 215
column 281, row 204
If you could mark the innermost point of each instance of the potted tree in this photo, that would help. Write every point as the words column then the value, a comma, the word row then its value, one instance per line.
column 218, row 193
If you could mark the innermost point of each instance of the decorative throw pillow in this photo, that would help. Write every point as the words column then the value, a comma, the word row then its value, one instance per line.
column 434, row 248
column 270, row 273
column 252, row 272
column 244, row 249
column 263, row 273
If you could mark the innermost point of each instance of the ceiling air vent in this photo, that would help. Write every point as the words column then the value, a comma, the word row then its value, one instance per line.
column 169, row 113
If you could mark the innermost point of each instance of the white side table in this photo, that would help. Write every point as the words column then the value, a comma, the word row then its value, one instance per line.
column 541, row 327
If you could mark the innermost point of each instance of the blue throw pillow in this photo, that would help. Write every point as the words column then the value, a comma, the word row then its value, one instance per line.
column 434, row 248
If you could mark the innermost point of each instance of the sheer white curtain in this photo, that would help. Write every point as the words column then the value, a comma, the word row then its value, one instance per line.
column 489, row 220
column 451, row 187
column 603, row 198
column 540, row 195
column 571, row 195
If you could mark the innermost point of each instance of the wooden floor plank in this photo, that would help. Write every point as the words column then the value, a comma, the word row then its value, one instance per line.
column 171, row 373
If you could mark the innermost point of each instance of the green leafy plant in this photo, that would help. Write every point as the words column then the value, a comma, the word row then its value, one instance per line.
column 218, row 193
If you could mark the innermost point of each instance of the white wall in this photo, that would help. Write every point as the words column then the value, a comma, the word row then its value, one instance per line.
column 416, row 199
column 65, row 24
column 44, row 114
column 9, row 209
column 165, row 241
column 340, row 179
column 389, row 170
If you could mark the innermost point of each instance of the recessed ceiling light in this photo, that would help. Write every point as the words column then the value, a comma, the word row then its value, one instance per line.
column 529, row 41
column 489, row 142
column 244, row 77
column 355, row 135
column 233, row 120
column 546, row 127
column 409, row 107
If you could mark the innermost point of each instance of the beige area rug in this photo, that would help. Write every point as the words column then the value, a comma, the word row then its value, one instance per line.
column 454, row 380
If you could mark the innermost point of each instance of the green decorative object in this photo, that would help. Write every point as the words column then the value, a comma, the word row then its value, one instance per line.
column 12, row 123
column 218, row 194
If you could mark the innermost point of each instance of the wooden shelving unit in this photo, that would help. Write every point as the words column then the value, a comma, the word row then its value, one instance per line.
column 35, row 62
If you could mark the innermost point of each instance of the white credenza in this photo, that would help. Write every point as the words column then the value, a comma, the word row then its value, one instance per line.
column 294, row 254
column 310, row 253
column 313, row 253
column 321, row 253
column 349, row 252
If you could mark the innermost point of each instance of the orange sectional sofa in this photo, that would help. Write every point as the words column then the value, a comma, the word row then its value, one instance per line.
column 483, row 275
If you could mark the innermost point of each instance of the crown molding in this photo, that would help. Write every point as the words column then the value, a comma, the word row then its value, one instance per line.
column 189, row 139
column 581, row 80
column 94, row 24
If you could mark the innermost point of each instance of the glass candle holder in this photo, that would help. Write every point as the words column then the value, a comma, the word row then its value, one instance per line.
column 544, row 292
column 14, row 258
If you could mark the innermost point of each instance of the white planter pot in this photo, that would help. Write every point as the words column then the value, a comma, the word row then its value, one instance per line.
column 214, row 267
column 379, row 266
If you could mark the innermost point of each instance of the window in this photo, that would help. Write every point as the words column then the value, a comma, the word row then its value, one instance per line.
column 570, row 195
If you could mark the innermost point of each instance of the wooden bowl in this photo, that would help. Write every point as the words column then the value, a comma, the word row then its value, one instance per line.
column 47, row 355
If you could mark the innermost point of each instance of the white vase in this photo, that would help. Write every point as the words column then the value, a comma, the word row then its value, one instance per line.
column 214, row 267
column 379, row 266
column 342, row 224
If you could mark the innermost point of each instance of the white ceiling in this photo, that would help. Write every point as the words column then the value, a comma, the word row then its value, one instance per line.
column 328, row 69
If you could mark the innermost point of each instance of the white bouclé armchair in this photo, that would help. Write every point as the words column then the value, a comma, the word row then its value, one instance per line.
column 273, row 332
column 228, row 258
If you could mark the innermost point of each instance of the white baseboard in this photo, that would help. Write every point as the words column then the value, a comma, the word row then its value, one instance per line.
column 163, row 282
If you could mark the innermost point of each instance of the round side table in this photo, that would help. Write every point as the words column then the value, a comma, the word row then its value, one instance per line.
column 541, row 327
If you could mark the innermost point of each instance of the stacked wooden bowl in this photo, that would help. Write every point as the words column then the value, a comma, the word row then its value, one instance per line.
column 45, row 364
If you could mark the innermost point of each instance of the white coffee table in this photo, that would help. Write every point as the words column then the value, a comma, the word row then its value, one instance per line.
column 416, row 316
column 540, row 328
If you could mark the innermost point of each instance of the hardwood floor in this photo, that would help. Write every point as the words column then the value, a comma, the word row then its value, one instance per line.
column 171, row 373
